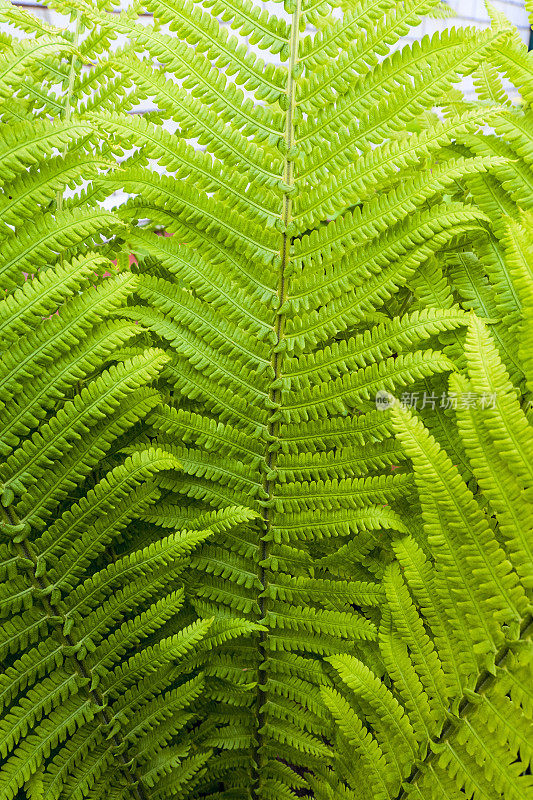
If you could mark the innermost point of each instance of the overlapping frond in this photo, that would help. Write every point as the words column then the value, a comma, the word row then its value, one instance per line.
column 456, row 624
column 488, row 276
column 214, row 546
column 518, row 244
column 95, row 691
column 285, row 217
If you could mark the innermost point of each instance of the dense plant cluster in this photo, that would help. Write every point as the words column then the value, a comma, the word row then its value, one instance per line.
column 229, row 572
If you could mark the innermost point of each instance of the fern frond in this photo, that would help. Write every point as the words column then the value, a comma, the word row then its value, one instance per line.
column 464, row 519
column 24, row 56
column 467, row 277
column 382, row 710
column 514, row 61
column 451, row 688
column 210, row 85
column 42, row 241
column 519, row 245
column 381, row 342
column 77, row 318
column 378, row 117
column 391, row 208
column 69, row 496
column 363, row 742
column 182, row 159
column 32, row 403
column 509, row 426
column 289, row 271
column 27, row 22
column 263, row 29
column 203, row 124
column 25, row 144
column 374, row 33
column 30, row 190
column 42, row 295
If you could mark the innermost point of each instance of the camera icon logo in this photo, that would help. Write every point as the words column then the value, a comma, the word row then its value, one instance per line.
column 384, row 400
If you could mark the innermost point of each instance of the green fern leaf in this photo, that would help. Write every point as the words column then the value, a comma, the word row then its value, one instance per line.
column 227, row 572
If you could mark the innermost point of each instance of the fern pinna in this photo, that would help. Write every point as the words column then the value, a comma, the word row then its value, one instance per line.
column 299, row 208
column 94, row 693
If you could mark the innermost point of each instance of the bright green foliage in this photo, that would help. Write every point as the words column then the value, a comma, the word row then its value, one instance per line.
column 322, row 620
column 95, row 688
column 455, row 631
column 299, row 207
column 453, row 717
column 46, row 148
column 518, row 243
column 484, row 277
